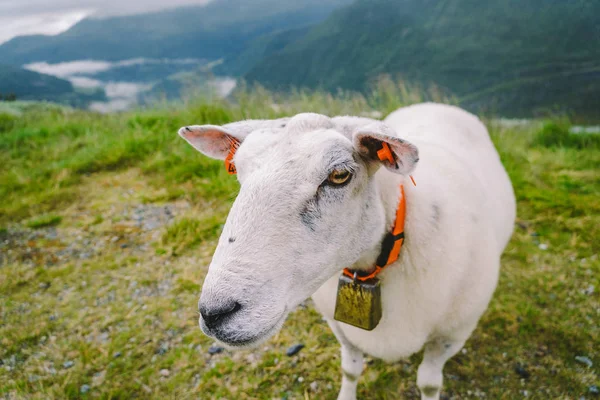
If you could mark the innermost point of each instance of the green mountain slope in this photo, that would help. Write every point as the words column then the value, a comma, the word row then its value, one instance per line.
column 509, row 56
column 220, row 29
column 259, row 48
column 29, row 85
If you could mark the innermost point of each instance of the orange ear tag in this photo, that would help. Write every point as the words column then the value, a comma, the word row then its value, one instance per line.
column 229, row 159
column 385, row 153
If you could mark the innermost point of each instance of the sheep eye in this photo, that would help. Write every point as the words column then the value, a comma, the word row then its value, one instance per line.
column 339, row 177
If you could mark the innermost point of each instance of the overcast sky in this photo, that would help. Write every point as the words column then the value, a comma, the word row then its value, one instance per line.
column 25, row 17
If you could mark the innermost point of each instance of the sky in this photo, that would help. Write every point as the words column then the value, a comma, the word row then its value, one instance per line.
column 26, row 17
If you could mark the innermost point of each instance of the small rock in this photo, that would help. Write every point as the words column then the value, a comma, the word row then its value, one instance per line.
column 584, row 360
column 124, row 246
column 44, row 285
column 68, row 364
column 313, row 386
column 293, row 350
column 589, row 290
column 300, row 379
column 165, row 372
column 543, row 246
column 117, row 354
column 594, row 390
column 84, row 389
column 215, row 349
column 163, row 349
column 522, row 371
column 449, row 376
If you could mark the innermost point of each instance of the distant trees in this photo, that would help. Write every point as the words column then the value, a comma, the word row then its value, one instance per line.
column 8, row 97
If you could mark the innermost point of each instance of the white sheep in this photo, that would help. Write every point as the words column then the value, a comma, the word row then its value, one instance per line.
column 314, row 200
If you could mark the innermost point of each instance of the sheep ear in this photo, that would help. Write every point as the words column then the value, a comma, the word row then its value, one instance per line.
column 217, row 141
column 211, row 140
column 378, row 143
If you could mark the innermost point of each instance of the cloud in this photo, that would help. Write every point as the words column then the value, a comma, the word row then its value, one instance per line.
column 70, row 68
column 90, row 67
column 125, row 90
column 19, row 17
column 83, row 82
column 45, row 24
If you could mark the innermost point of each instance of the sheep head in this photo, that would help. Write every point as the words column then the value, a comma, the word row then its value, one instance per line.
column 308, row 206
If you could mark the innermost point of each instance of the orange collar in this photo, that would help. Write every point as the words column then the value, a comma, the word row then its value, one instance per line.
column 390, row 248
column 392, row 243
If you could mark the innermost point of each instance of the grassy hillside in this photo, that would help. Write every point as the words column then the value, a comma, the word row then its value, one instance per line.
column 29, row 85
column 513, row 57
column 220, row 29
column 108, row 223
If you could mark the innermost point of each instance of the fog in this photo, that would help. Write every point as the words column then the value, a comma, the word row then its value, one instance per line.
column 90, row 67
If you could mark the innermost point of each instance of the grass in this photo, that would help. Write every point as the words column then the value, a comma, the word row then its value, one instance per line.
column 44, row 221
column 82, row 282
column 556, row 134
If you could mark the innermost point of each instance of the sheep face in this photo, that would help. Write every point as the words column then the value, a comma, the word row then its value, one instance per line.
column 308, row 206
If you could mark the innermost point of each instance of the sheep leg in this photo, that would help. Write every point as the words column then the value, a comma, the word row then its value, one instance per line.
column 352, row 366
column 352, row 363
column 429, row 375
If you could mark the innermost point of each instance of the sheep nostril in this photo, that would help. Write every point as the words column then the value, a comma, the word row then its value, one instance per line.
column 213, row 317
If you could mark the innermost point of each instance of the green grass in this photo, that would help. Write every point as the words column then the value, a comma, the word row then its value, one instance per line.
column 123, row 307
column 556, row 134
column 43, row 221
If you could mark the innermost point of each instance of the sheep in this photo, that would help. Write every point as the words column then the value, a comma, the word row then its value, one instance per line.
column 314, row 200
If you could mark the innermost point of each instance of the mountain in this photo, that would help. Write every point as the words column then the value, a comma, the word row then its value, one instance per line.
column 514, row 57
column 220, row 29
column 259, row 48
column 23, row 84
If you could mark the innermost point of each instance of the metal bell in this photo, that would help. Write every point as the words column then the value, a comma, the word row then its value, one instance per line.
column 358, row 302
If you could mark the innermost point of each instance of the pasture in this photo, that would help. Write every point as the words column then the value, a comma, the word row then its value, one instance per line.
column 108, row 223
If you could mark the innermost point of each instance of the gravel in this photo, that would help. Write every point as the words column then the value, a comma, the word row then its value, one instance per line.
column 126, row 228
column 68, row 364
column 84, row 389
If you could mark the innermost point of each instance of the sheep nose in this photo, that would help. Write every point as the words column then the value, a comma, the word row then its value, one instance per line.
column 215, row 316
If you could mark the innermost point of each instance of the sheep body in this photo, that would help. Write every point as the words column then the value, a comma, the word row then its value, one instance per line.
column 459, row 218
column 294, row 230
